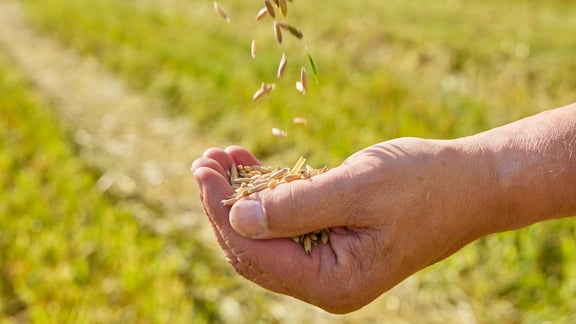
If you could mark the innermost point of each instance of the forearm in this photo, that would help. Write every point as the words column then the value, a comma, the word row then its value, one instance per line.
column 534, row 162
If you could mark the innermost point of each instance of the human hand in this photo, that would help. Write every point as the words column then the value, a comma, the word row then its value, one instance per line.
column 393, row 209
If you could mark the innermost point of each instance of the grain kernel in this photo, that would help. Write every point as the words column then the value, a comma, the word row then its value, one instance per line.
column 282, row 66
column 221, row 11
column 253, row 48
column 307, row 244
column 270, row 8
column 300, row 121
column 283, row 7
column 277, row 32
column 262, row 13
column 279, row 133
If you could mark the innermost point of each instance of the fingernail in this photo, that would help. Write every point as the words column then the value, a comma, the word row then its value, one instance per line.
column 247, row 218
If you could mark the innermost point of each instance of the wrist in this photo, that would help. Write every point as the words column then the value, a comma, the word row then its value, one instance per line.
column 533, row 168
column 476, row 190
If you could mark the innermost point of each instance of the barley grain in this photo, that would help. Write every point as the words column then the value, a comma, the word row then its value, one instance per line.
column 247, row 180
column 282, row 66
column 302, row 85
column 307, row 244
column 292, row 30
column 221, row 11
column 283, row 7
column 270, row 8
column 300, row 121
column 277, row 32
column 264, row 90
column 262, row 13
column 279, row 133
column 253, row 48
column 325, row 236
column 291, row 177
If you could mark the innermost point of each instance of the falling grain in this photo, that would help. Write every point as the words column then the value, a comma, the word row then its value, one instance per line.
column 282, row 66
column 303, row 80
column 262, row 13
column 253, row 48
column 221, row 11
column 264, row 90
column 278, row 32
column 300, row 121
column 283, row 7
column 270, row 8
column 279, row 133
column 292, row 30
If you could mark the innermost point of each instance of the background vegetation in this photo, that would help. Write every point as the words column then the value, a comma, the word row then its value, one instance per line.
column 439, row 69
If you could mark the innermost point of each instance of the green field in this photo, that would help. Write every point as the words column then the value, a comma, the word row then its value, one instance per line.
column 386, row 69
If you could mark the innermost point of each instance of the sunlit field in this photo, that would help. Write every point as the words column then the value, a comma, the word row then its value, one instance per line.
column 386, row 69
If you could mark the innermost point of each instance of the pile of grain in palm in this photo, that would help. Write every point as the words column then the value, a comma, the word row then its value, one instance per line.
column 248, row 180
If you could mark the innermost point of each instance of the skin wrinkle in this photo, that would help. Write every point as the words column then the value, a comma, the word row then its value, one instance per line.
column 241, row 267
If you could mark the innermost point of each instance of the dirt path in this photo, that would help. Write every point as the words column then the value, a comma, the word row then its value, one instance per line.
column 141, row 151
column 144, row 153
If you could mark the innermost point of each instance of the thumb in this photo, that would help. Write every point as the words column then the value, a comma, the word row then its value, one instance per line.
column 295, row 208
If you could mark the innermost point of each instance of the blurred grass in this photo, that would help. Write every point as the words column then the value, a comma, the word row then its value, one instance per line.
column 438, row 69
column 70, row 254
column 386, row 69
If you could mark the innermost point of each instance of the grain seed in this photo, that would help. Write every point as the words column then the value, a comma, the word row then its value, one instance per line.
column 283, row 7
column 262, row 169
column 292, row 30
column 270, row 8
column 272, row 184
column 282, row 66
column 291, row 177
column 256, row 178
column 264, row 90
column 302, row 85
column 279, row 133
column 253, row 48
column 262, row 13
column 324, row 236
column 278, row 32
column 221, row 11
column 307, row 244
column 257, row 188
column 278, row 173
column 300, row 121
column 233, row 173
column 230, row 202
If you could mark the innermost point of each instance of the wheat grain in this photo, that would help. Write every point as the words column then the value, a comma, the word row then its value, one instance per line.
column 278, row 32
column 270, row 8
column 253, row 48
column 279, row 133
column 300, row 121
column 221, row 11
column 282, row 66
column 262, row 13
column 263, row 90
column 302, row 85
column 283, row 7
column 247, row 180
column 292, row 30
